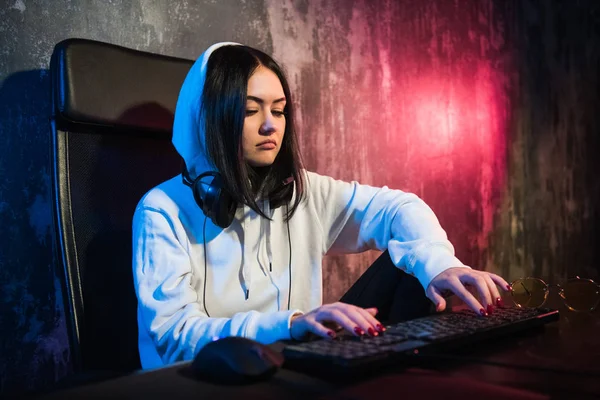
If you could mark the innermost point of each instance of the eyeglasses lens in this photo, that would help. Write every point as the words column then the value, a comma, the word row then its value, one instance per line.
column 581, row 294
column 529, row 292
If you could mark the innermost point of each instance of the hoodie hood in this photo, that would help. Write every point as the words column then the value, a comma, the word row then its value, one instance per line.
column 188, row 128
column 189, row 141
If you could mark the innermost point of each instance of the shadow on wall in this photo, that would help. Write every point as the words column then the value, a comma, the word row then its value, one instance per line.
column 34, row 342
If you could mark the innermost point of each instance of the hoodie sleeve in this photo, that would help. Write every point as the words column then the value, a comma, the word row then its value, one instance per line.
column 169, row 309
column 356, row 218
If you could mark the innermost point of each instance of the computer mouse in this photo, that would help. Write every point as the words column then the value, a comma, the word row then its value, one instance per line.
column 235, row 360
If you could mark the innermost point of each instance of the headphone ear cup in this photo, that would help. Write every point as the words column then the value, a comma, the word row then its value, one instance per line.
column 197, row 192
column 220, row 203
column 214, row 201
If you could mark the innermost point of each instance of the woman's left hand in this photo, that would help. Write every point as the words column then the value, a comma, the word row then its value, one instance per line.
column 457, row 279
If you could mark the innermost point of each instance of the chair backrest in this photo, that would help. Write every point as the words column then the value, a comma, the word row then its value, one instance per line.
column 112, row 115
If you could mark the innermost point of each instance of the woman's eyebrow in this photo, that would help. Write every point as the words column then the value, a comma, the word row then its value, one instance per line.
column 261, row 101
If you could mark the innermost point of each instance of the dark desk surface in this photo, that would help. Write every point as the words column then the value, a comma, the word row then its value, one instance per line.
column 565, row 355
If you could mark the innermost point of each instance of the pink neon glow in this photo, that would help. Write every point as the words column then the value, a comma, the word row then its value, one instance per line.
column 453, row 134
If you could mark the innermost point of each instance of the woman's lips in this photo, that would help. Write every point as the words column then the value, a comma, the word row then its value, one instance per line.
column 267, row 146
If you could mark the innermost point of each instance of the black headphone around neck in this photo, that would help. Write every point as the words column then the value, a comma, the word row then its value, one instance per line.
column 218, row 205
column 212, row 198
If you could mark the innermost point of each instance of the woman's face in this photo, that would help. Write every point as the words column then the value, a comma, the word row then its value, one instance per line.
column 264, row 124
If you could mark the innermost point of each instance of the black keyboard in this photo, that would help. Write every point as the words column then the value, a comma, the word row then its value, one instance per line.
column 348, row 355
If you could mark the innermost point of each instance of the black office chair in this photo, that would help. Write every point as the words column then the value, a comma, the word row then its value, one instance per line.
column 112, row 115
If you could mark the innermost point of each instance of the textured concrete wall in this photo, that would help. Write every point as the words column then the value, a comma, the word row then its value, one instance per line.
column 413, row 95
column 549, row 222
column 485, row 109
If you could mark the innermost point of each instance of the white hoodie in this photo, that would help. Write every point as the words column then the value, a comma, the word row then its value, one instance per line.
column 244, row 297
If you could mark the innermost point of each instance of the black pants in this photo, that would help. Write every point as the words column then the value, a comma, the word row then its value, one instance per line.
column 397, row 295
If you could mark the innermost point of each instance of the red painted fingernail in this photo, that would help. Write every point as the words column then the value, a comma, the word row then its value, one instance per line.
column 372, row 332
column 359, row 331
column 508, row 287
column 380, row 328
column 331, row 334
column 482, row 312
column 490, row 309
column 499, row 302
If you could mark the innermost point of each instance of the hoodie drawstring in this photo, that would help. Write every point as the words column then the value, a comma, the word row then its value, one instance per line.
column 265, row 234
column 267, row 211
column 246, row 272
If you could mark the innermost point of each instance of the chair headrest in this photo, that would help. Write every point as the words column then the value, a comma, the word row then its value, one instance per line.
column 100, row 86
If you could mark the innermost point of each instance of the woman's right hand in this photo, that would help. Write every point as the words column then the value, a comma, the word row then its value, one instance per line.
column 358, row 321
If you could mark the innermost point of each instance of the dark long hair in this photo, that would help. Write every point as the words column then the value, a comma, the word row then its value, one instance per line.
column 224, row 108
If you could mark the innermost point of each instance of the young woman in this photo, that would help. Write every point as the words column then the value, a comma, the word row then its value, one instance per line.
column 234, row 245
